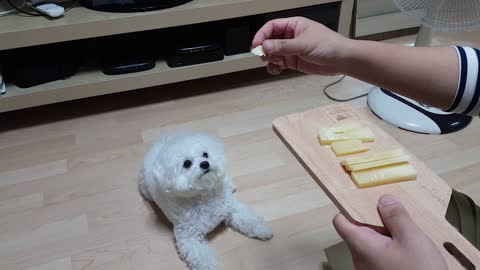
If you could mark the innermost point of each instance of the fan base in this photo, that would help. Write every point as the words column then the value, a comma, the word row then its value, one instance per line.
column 410, row 115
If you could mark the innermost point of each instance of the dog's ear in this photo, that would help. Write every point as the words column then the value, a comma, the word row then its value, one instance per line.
column 160, row 178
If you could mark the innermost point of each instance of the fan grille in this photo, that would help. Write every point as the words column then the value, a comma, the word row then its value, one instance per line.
column 443, row 15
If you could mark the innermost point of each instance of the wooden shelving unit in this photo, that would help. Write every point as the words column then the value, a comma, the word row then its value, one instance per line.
column 79, row 23
column 89, row 83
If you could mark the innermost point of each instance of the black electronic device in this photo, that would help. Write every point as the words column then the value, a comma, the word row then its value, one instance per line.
column 130, row 5
column 193, row 44
column 128, row 65
column 126, row 53
column 195, row 53
column 237, row 38
column 27, row 67
column 327, row 14
column 30, row 74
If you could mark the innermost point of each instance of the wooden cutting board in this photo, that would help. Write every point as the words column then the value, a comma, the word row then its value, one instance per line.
column 426, row 199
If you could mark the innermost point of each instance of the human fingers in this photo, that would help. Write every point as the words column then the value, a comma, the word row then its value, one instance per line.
column 396, row 218
column 272, row 28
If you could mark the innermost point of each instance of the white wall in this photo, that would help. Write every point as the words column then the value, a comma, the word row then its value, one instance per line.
column 368, row 8
column 380, row 16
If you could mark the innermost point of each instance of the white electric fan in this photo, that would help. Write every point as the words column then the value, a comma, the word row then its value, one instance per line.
column 433, row 15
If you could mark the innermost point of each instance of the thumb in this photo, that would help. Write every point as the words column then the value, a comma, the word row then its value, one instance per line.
column 283, row 47
column 348, row 231
column 395, row 217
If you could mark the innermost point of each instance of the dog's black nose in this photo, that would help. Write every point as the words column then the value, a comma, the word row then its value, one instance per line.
column 204, row 165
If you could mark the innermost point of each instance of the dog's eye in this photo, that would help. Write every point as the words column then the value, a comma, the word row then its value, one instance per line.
column 205, row 155
column 187, row 164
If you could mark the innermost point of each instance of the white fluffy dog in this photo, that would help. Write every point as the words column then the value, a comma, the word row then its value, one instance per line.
column 185, row 175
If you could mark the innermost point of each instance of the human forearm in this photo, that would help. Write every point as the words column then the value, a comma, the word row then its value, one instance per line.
column 428, row 75
column 446, row 78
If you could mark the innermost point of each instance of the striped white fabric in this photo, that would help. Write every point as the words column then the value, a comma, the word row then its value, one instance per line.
column 467, row 100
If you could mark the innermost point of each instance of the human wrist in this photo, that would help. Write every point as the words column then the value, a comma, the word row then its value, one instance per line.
column 348, row 54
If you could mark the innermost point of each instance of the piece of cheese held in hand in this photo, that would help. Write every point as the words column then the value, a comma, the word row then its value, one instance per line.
column 378, row 163
column 327, row 136
column 384, row 175
column 348, row 147
column 374, row 157
column 258, row 51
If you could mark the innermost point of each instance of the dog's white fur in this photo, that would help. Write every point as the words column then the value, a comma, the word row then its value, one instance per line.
column 195, row 200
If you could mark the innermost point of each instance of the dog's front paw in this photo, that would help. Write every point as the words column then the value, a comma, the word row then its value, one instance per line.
column 262, row 232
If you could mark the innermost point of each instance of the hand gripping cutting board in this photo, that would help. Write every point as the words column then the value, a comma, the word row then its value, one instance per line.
column 426, row 199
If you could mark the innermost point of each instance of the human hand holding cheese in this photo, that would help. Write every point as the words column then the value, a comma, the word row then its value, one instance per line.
column 406, row 246
column 294, row 43
column 428, row 75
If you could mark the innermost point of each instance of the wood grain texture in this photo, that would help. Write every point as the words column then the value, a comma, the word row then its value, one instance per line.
column 60, row 264
column 426, row 199
column 68, row 173
column 79, row 23
column 88, row 83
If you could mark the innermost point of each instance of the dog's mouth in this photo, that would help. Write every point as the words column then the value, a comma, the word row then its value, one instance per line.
column 207, row 180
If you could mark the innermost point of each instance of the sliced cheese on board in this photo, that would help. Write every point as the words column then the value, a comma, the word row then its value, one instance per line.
column 363, row 134
column 374, row 157
column 384, row 175
column 345, row 125
column 377, row 163
column 327, row 136
column 349, row 147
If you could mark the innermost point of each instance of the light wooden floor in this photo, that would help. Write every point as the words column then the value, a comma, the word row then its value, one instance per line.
column 68, row 173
